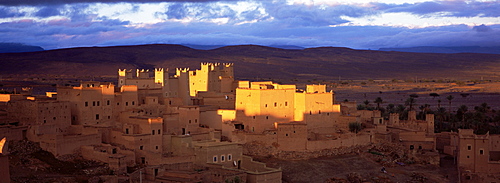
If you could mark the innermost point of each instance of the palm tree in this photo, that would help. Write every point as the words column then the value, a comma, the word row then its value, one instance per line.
column 391, row 108
column 461, row 113
column 378, row 101
column 410, row 101
column 449, row 97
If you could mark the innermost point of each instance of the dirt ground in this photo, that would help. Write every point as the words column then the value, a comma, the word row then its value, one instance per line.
column 342, row 167
column 468, row 94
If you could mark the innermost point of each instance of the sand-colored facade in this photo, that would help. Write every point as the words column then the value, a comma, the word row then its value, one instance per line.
column 164, row 121
column 477, row 156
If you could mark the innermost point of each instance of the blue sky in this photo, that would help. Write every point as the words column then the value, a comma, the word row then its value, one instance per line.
column 359, row 24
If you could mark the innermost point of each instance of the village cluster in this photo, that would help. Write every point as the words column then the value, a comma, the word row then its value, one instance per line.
column 171, row 124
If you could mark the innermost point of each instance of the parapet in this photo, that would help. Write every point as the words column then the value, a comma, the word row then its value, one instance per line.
column 161, row 70
column 142, row 73
column 315, row 88
column 128, row 88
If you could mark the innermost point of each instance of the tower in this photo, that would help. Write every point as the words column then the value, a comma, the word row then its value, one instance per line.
column 394, row 119
column 182, row 75
column 123, row 75
column 429, row 118
column 161, row 76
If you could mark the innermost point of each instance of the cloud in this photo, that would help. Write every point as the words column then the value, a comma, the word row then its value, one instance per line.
column 59, row 2
column 482, row 28
column 48, row 12
column 433, row 37
column 244, row 22
column 444, row 8
column 6, row 12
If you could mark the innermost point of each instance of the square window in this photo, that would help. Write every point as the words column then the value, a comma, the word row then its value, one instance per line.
column 469, row 147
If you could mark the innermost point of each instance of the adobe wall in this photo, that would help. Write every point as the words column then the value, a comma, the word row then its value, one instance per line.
column 365, row 116
column 494, row 167
column 494, row 142
column 117, row 160
column 67, row 144
column 268, row 139
column 342, row 122
column 179, row 162
column 258, row 172
column 12, row 132
column 211, row 119
column 316, row 145
column 142, row 83
column 481, row 159
column 11, row 97
column 218, row 153
column 292, row 136
column 442, row 139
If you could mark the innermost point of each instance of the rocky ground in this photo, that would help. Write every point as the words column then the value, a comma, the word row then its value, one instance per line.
column 354, row 164
column 29, row 163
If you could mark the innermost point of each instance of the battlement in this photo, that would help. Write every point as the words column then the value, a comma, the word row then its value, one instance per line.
column 206, row 66
column 161, row 70
column 142, row 73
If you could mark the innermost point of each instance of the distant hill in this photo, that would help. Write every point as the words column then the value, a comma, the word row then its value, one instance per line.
column 433, row 49
column 18, row 48
column 211, row 47
column 258, row 62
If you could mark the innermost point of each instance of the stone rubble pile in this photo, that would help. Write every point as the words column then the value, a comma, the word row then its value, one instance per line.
column 23, row 148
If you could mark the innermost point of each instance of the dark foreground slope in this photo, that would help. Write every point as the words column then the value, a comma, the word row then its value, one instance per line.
column 256, row 62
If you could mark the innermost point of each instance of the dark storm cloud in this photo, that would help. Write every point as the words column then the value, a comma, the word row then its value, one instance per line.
column 48, row 12
column 47, row 2
column 303, row 15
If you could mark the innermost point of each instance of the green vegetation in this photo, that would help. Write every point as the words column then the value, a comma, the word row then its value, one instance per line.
column 355, row 127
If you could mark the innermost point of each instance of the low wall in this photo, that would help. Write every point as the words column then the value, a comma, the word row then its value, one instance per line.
column 258, row 172
column 67, row 144
column 329, row 144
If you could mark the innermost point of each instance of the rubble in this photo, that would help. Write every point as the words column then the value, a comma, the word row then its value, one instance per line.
column 417, row 177
column 29, row 163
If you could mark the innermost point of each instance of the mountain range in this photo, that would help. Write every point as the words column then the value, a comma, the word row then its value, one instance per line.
column 256, row 62
column 457, row 49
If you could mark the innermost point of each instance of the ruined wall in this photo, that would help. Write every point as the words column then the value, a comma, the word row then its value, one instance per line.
column 117, row 159
column 268, row 139
column 363, row 139
column 12, row 132
column 67, row 144
column 259, row 172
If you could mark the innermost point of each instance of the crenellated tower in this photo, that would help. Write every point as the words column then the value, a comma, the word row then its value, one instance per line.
column 124, row 74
